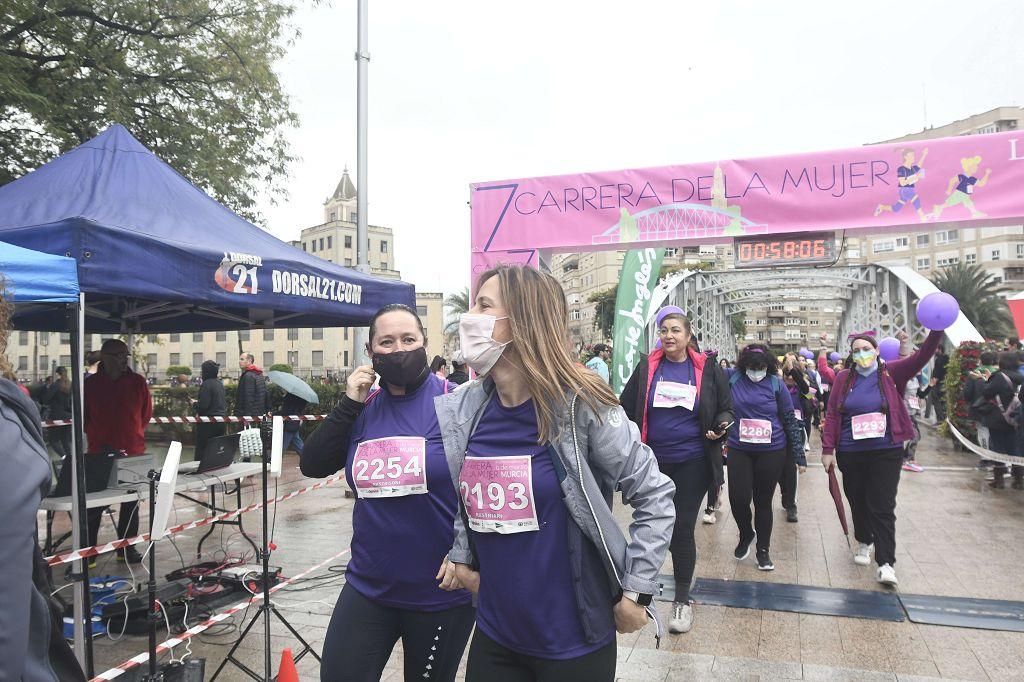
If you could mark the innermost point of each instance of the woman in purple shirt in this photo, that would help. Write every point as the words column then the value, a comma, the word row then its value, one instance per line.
column 765, row 429
column 537, row 448
column 389, row 443
column 866, row 426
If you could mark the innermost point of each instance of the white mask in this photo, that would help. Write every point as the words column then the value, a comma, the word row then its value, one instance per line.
column 757, row 375
column 479, row 349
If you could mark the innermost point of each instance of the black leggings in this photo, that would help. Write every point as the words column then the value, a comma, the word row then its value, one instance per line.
column 713, row 491
column 127, row 521
column 754, row 475
column 362, row 634
column 870, row 481
column 692, row 479
column 491, row 662
column 1004, row 441
column 60, row 441
column 788, row 481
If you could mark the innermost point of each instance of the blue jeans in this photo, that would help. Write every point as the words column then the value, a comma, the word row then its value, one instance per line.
column 293, row 438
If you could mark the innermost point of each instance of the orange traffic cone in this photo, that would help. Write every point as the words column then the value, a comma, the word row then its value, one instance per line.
column 287, row 671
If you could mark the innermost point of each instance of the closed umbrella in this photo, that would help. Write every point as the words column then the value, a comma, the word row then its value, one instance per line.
column 294, row 385
column 837, row 497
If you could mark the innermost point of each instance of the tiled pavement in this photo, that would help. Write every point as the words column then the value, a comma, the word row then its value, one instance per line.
column 955, row 537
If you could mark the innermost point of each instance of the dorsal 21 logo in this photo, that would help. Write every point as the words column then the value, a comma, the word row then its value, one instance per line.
column 237, row 273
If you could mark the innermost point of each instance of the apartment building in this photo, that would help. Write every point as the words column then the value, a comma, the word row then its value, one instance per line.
column 999, row 250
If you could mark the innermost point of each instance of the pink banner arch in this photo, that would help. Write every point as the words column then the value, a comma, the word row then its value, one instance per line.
column 968, row 181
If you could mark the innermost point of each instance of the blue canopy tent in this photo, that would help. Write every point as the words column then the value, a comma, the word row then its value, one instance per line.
column 33, row 277
column 156, row 254
column 41, row 283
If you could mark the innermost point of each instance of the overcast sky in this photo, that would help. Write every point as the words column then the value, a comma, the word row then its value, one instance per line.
column 465, row 92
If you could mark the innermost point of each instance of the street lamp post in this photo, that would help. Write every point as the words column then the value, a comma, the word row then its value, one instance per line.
column 359, row 337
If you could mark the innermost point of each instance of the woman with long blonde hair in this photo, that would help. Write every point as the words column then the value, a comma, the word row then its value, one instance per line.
column 536, row 448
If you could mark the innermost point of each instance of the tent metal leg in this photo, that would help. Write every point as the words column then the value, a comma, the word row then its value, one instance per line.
column 79, row 515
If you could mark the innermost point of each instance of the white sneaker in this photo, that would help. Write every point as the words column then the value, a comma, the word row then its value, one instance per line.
column 807, row 446
column 709, row 517
column 887, row 575
column 862, row 557
column 682, row 619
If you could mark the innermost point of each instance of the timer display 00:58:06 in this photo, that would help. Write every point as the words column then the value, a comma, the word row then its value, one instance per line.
column 781, row 250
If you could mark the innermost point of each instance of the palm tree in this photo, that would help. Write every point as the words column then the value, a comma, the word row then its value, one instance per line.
column 980, row 297
column 456, row 304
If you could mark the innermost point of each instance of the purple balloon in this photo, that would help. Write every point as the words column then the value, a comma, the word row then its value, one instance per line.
column 806, row 353
column 834, row 356
column 889, row 349
column 657, row 344
column 667, row 310
column 937, row 311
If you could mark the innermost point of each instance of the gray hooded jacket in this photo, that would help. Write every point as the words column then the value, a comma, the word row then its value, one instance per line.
column 32, row 647
column 601, row 455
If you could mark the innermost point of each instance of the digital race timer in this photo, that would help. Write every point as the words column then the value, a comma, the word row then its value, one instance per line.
column 812, row 248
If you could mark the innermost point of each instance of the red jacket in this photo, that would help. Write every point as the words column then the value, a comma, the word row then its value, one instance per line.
column 117, row 412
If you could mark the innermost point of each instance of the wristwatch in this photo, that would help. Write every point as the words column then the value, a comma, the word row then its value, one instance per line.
column 640, row 599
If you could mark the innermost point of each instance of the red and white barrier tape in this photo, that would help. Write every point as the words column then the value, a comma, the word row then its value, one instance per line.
column 203, row 420
column 227, row 516
column 196, row 629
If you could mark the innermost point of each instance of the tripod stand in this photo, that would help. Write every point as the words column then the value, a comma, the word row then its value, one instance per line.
column 266, row 608
column 152, row 615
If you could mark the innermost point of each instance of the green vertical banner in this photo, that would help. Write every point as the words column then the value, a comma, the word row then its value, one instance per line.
column 639, row 277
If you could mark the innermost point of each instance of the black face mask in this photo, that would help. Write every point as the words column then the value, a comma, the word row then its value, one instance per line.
column 402, row 367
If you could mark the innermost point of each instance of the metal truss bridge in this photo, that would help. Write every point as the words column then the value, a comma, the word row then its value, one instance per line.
column 872, row 297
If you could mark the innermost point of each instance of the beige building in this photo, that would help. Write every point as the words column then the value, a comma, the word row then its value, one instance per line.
column 791, row 325
column 999, row 250
column 310, row 352
column 998, row 120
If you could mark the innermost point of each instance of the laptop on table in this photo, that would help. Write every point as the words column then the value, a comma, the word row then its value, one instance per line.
column 219, row 454
column 98, row 468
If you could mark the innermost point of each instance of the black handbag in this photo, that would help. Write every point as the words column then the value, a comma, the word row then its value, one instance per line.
column 981, row 407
